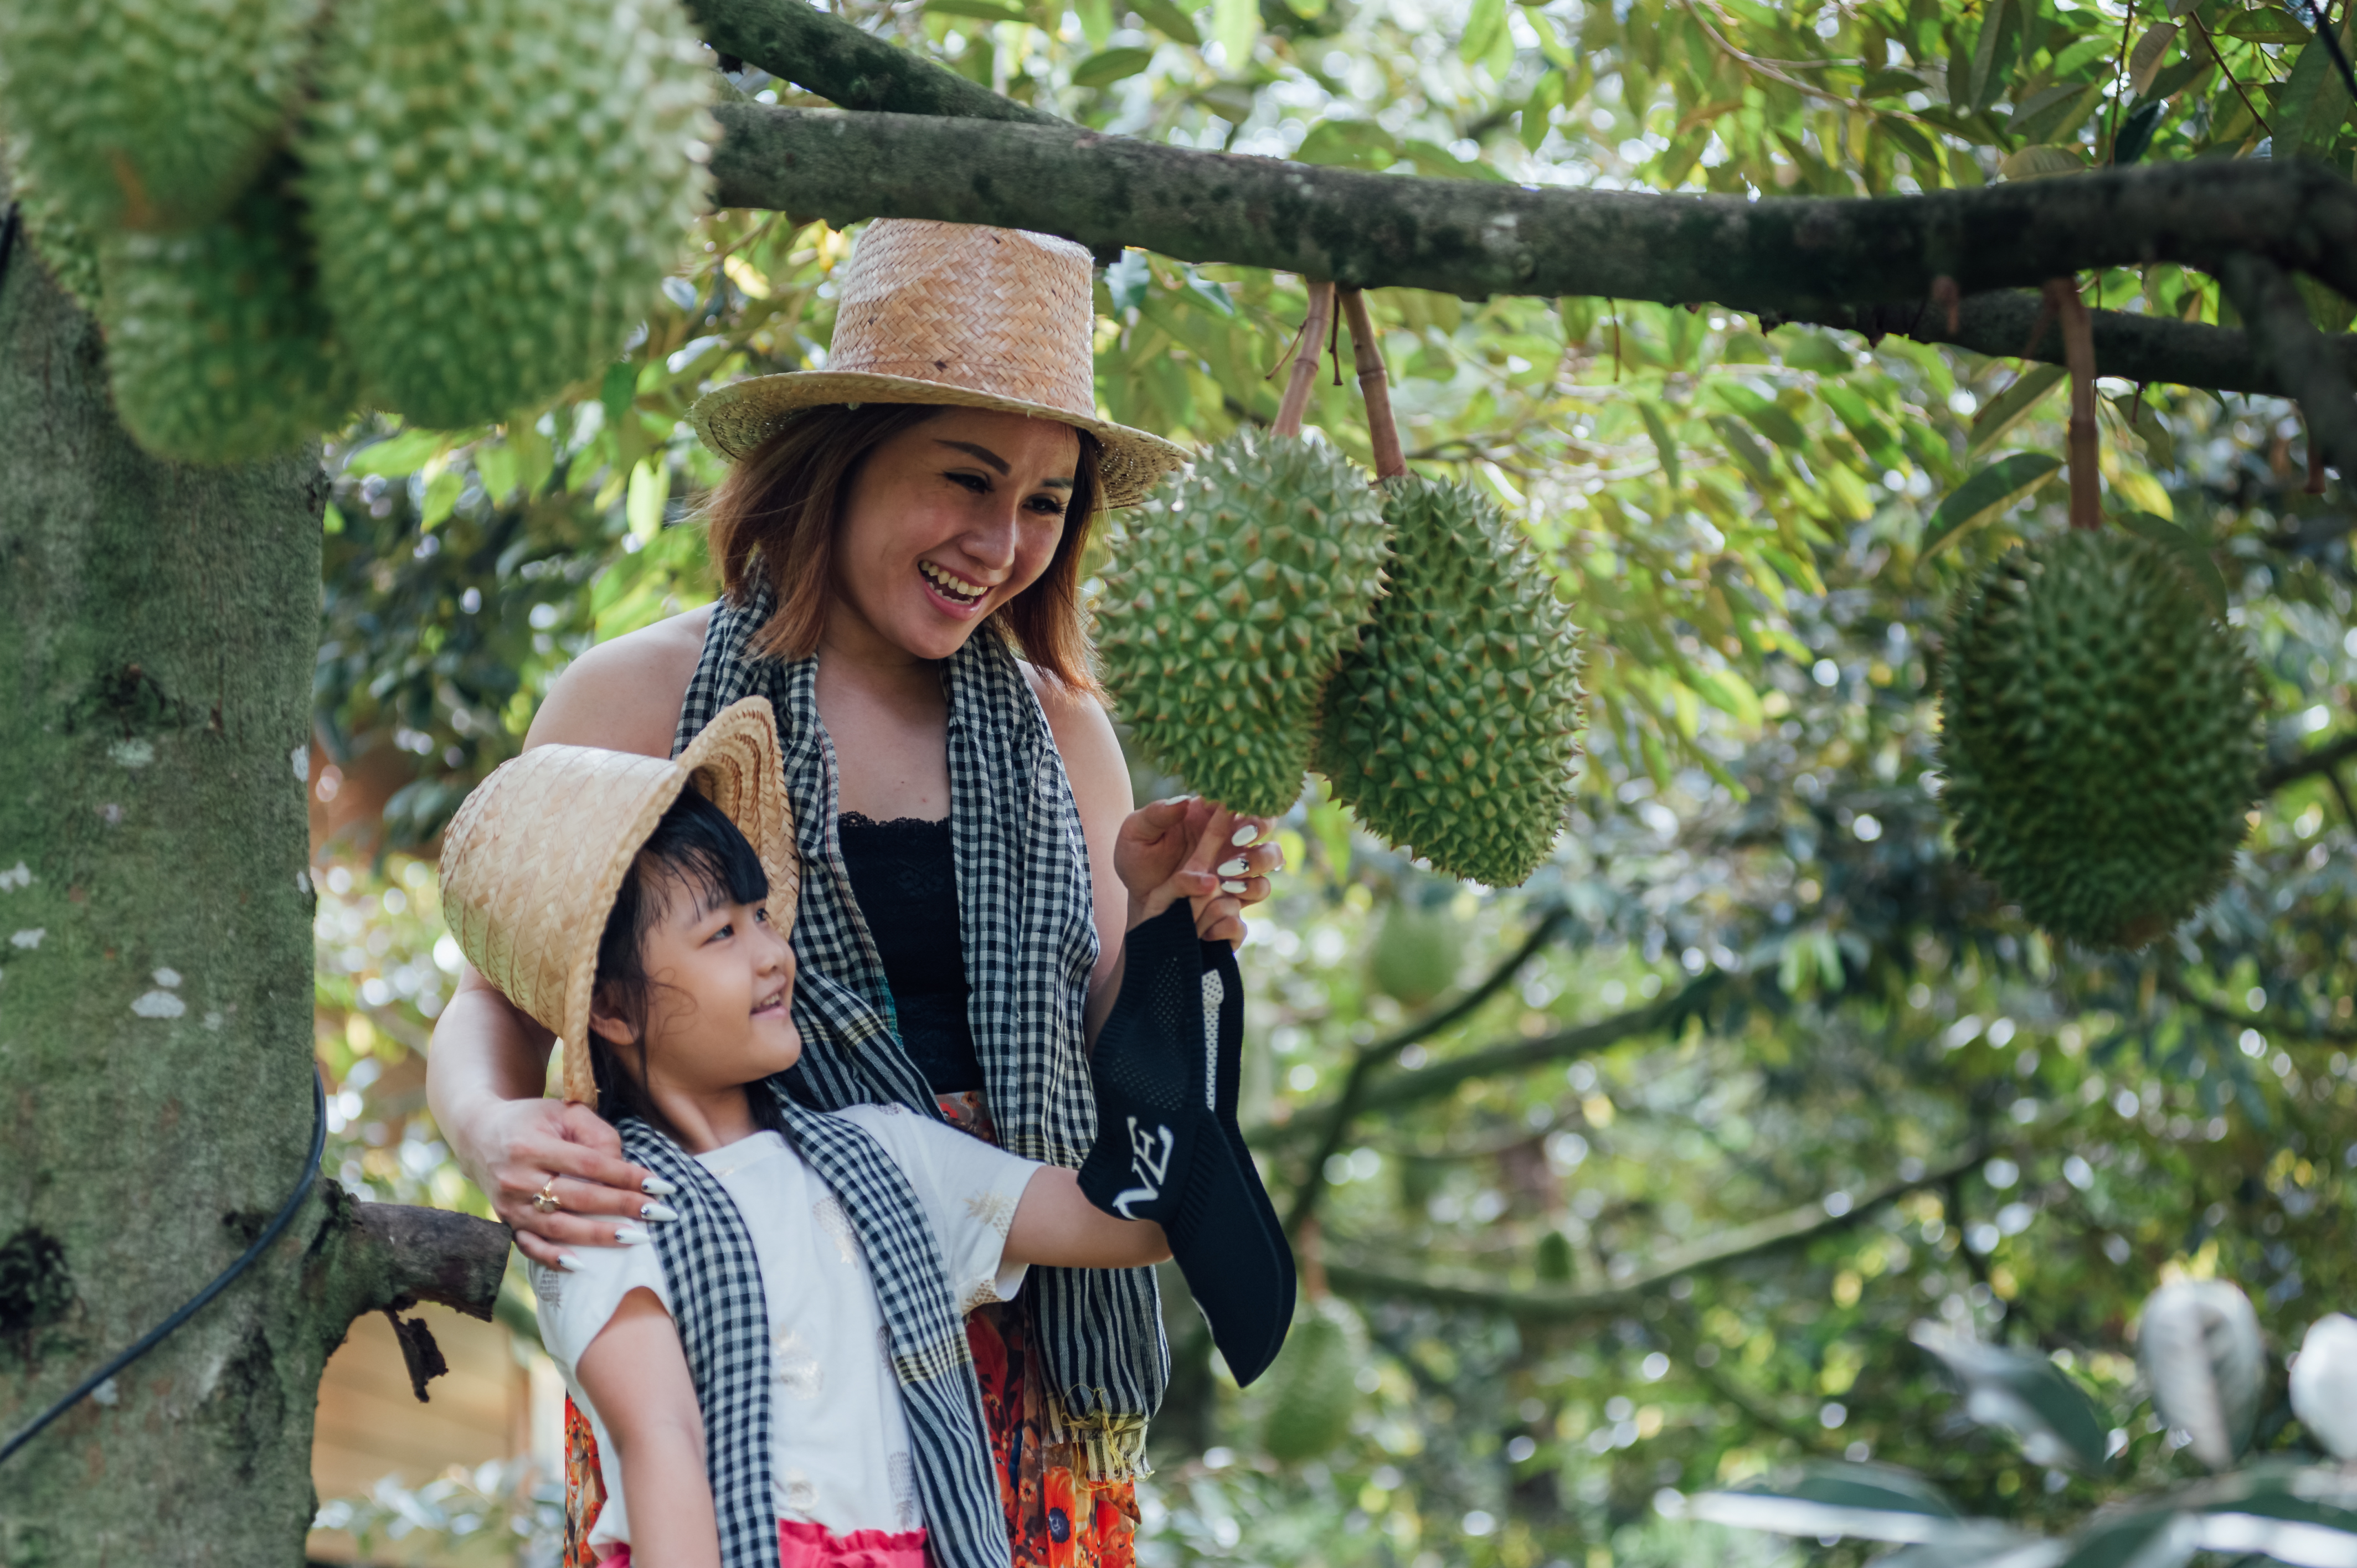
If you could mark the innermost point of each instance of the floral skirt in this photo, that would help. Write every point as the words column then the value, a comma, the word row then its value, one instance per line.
column 1056, row 1517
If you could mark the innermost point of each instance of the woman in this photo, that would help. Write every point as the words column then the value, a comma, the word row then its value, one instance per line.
column 972, row 859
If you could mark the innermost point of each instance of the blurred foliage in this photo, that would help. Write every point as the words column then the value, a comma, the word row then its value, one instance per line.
column 1771, row 990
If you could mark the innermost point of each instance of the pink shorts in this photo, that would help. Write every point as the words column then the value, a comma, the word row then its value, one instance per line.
column 801, row 1544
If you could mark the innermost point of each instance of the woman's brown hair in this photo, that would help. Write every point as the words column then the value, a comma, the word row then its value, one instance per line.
column 781, row 507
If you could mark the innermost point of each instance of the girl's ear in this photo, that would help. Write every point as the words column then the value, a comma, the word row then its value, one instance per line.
column 608, row 1024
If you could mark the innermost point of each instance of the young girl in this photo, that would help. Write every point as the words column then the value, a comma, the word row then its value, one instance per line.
column 757, row 1395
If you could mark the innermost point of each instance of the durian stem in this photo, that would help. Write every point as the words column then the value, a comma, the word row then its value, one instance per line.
column 1304, row 362
column 2079, row 352
column 1367, row 355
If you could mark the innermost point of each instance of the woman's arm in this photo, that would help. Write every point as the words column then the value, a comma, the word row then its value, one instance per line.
column 485, row 1075
column 1055, row 1225
column 636, row 1376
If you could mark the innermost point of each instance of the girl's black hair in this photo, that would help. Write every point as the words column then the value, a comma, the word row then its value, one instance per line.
column 695, row 852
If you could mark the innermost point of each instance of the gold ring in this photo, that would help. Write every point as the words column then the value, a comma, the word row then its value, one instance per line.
column 546, row 1200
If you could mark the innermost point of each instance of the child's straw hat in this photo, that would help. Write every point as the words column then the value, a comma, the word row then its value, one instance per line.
column 954, row 313
column 535, row 857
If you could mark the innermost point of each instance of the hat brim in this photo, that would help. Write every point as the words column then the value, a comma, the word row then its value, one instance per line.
column 734, row 762
column 736, row 420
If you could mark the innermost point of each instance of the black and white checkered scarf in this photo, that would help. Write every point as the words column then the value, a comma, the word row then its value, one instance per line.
column 1026, row 921
column 722, row 1317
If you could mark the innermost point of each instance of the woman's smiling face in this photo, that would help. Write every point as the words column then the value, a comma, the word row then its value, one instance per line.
column 948, row 520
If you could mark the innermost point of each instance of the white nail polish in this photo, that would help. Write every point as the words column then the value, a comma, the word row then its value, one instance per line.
column 569, row 1262
column 1235, row 867
column 658, row 1211
column 629, row 1235
column 1232, row 887
column 1244, row 835
column 655, row 1186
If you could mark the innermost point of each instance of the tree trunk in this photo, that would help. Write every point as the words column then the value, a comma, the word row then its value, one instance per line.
column 158, row 623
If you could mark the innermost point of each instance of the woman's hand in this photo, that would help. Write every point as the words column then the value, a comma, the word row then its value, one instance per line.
column 1197, row 849
column 525, row 1144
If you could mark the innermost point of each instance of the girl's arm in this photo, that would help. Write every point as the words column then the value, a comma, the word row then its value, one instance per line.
column 1055, row 1225
column 636, row 1376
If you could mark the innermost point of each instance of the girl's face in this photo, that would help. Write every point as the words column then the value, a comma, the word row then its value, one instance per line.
column 719, row 995
column 948, row 520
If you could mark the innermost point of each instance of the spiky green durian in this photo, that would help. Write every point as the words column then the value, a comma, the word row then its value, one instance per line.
column 150, row 114
column 2099, row 737
column 1232, row 598
column 65, row 247
column 1313, row 1384
column 1417, row 951
column 1453, row 731
column 497, row 185
column 217, row 346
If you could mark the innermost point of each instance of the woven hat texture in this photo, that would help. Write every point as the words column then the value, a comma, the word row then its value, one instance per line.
column 955, row 313
column 535, row 857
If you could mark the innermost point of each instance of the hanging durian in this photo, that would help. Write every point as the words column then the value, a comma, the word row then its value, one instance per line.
column 1453, row 730
column 2099, row 737
column 150, row 114
column 216, row 346
column 64, row 246
column 496, row 187
column 1416, row 950
column 1239, row 588
column 1313, row 1387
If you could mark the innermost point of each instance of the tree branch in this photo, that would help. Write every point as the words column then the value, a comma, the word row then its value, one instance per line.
column 1351, row 1277
column 1403, row 1086
column 1348, row 1104
column 1474, row 239
column 2289, row 343
column 2274, row 1026
column 2134, row 348
column 381, row 1257
column 2325, row 760
column 836, row 60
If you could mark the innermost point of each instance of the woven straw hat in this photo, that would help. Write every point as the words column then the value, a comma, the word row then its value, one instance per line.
column 535, row 857
column 955, row 314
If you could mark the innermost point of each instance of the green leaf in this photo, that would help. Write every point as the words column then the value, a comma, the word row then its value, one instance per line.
column 2313, row 104
column 1745, row 448
column 441, row 499
column 1168, row 20
column 618, row 388
column 2266, row 25
column 1872, row 1502
column 1236, row 25
column 1348, row 144
column 1993, row 51
column 1981, row 497
column 1127, row 280
column 2136, row 134
column 2156, row 1538
column 400, row 454
column 1482, row 25
column 1771, row 421
column 2009, row 407
column 981, row 10
column 496, row 463
column 2027, row 1394
column 1860, row 421
column 1664, row 444
column 2041, row 163
column 1109, row 66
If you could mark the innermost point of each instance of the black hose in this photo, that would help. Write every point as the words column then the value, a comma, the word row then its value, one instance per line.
column 195, row 1303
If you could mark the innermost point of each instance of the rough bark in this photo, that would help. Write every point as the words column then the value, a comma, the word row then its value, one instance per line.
column 836, row 60
column 2302, row 357
column 157, row 629
column 1871, row 264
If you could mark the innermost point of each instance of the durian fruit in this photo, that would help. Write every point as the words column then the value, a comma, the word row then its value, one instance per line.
column 1417, row 951
column 497, row 187
column 1234, row 594
column 2099, row 737
column 217, row 346
column 1313, row 1386
column 150, row 114
column 64, row 246
column 1453, row 731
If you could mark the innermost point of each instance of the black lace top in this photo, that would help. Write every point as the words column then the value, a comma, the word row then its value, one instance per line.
column 906, row 880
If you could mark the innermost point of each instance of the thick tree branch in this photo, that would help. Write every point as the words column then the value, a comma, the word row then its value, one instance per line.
column 2134, row 348
column 835, row 59
column 2273, row 1025
column 1361, row 230
column 1352, row 1277
column 2288, row 344
column 378, row 1257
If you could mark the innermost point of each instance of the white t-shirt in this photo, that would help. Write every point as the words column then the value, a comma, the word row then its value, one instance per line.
column 839, row 1443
